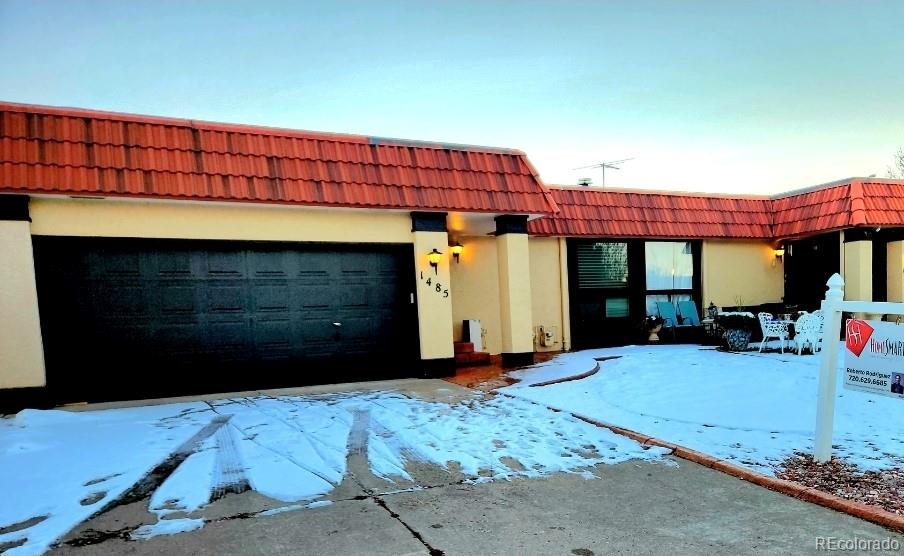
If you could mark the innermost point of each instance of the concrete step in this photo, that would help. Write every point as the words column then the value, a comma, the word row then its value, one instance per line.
column 463, row 347
column 472, row 359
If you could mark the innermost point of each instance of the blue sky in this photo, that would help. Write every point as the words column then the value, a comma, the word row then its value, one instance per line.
column 752, row 97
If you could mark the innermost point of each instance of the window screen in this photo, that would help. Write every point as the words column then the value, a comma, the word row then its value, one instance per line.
column 603, row 265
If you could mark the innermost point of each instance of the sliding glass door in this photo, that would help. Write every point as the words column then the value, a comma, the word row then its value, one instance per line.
column 669, row 273
column 614, row 284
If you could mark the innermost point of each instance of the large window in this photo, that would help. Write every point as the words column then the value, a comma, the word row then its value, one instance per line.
column 669, row 272
column 603, row 265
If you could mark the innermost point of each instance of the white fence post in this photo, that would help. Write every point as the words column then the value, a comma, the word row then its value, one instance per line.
column 828, row 369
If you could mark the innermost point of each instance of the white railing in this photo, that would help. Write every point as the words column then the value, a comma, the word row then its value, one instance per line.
column 833, row 306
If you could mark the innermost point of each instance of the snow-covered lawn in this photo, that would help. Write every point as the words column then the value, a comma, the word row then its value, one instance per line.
column 58, row 468
column 754, row 409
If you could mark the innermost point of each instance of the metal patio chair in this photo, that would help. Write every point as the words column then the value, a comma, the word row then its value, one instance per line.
column 772, row 328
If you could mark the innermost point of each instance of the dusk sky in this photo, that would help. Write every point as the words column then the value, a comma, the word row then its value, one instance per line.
column 744, row 97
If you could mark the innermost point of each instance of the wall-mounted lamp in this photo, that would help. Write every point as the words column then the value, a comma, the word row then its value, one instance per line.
column 779, row 254
column 433, row 257
column 456, row 251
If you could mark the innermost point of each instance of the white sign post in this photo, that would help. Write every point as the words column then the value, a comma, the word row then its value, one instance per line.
column 825, row 405
column 874, row 356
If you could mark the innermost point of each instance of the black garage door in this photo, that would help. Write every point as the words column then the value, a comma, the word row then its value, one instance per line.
column 133, row 318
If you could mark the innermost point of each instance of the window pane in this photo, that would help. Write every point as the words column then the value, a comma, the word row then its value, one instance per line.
column 651, row 303
column 684, row 266
column 602, row 265
column 616, row 307
column 669, row 265
column 660, row 264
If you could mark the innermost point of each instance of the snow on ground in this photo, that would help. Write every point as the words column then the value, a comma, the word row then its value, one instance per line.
column 754, row 409
column 63, row 466
column 292, row 449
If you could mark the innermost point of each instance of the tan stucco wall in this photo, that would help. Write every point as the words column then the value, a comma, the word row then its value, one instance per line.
column 546, row 288
column 895, row 270
column 858, row 270
column 203, row 220
column 21, row 351
column 434, row 308
column 475, row 290
column 745, row 269
column 513, row 254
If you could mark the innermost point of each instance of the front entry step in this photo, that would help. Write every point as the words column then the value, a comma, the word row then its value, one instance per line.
column 465, row 356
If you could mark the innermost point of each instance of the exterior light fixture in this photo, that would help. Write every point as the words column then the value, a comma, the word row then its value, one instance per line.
column 433, row 257
column 456, row 250
column 779, row 254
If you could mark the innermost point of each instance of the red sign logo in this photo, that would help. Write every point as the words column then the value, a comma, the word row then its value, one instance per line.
column 857, row 334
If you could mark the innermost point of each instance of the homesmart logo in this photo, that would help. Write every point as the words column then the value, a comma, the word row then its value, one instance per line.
column 857, row 335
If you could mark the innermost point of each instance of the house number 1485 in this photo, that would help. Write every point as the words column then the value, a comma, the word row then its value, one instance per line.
column 435, row 285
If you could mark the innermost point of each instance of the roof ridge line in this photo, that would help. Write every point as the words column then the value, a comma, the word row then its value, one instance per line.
column 211, row 125
column 745, row 196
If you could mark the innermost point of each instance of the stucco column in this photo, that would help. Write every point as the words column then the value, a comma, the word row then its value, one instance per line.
column 434, row 294
column 21, row 349
column 894, row 270
column 513, row 255
column 858, row 269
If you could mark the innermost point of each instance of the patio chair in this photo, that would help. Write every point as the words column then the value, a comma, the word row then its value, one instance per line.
column 820, row 319
column 772, row 329
column 688, row 310
column 803, row 333
column 668, row 314
column 681, row 331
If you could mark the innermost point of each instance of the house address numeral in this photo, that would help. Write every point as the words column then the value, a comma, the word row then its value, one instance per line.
column 435, row 285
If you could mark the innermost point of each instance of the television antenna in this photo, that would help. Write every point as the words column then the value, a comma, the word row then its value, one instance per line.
column 613, row 165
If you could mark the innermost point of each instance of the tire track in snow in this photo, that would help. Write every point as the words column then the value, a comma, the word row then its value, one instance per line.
column 229, row 473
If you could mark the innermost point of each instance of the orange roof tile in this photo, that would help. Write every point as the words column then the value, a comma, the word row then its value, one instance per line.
column 83, row 152
column 620, row 213
column 624, row 213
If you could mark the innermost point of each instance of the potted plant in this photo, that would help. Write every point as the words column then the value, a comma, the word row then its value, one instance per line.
column 652, row 326
column 737, row 329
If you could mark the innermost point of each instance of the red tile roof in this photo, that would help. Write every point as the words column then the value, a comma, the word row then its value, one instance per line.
column 624, row 213
column 620, row 213
column 84, row 152
column 844, row 204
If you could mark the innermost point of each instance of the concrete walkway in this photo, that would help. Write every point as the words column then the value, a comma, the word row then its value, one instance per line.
column 633, row 508
column 667, row 507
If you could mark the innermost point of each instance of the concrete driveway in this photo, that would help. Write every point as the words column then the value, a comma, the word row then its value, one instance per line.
column 658, row 505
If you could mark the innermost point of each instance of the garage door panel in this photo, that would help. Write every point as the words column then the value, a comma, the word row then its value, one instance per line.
column 120, row 300
column 315, row 297
column 176, row 299
column 316, row 330
column 184, row 337
column 354, row 295
column 179, row 316
column 271, row 297
column 270, row 264
column 114, row 264
column 225, row 264
column 316, row 264
column 176, row 265
column 226, row 298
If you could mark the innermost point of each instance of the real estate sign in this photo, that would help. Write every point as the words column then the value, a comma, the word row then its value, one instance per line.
column 874, row 357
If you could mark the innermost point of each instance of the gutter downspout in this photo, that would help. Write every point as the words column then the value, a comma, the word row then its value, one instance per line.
column 563, row 289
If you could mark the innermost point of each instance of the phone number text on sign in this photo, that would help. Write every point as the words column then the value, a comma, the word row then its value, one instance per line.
column 856, row 377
